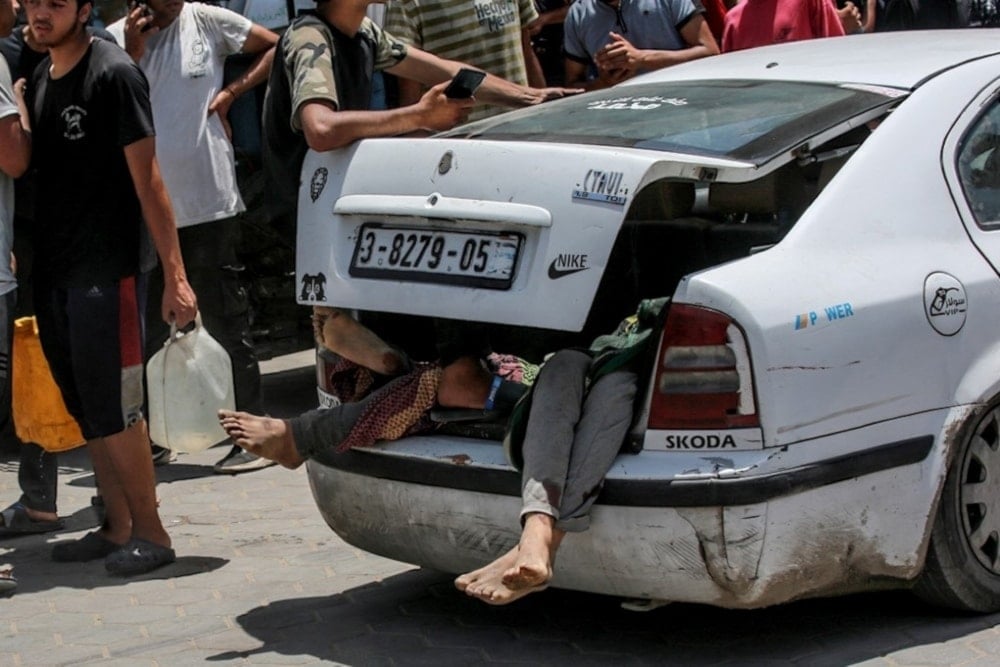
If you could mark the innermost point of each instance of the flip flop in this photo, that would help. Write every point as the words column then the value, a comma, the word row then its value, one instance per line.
column 7, row 580
column 15, row 521
column 138, row 556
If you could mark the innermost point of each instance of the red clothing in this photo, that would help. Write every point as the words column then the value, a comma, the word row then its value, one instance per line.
column 715, row 17
column 760, row 22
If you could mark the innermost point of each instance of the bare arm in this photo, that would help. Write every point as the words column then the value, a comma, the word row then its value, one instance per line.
column 850, row 19
column 871, row 11
column 576, row 75
column 179, row 302
column 15, row 147
column 15, row 137
column 260, row 40
column 621, row 54
column 430, row 70
column 325, row 128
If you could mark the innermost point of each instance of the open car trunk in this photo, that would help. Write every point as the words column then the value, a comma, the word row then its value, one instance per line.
column 564, row 254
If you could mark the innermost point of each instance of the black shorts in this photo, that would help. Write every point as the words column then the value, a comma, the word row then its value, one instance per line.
column 92, row 338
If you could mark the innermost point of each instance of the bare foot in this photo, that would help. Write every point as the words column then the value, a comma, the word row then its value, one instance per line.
column 491, row 570
column 338, row 332
column 465, row 383
column 263, row 436
column 535, row 554
column 488, row 585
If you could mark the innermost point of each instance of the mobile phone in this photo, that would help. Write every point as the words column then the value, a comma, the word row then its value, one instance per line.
column 464, row 84
column 145, row 11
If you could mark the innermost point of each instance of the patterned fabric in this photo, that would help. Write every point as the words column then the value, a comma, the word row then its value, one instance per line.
column 398, row 409
column 512, row 368
column 350, row 382
column 482, row 33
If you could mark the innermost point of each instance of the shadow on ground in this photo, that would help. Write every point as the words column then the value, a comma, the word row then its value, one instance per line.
column 418, row 618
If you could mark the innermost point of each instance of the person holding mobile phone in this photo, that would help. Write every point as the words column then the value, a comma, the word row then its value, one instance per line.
column 182, row 49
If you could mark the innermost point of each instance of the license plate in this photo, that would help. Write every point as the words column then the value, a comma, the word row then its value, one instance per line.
column 471, row 259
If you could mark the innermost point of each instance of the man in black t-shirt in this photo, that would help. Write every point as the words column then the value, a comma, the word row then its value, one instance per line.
column 94, row 151
column 37, row 472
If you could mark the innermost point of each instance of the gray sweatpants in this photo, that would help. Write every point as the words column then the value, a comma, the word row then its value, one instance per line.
column 573, row 435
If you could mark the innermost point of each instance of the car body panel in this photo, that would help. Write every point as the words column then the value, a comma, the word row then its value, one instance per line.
column 881, row 277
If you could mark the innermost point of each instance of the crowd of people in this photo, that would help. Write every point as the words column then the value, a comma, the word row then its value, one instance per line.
column 104, row 201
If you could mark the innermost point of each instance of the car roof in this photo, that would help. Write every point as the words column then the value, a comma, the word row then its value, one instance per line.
column 897, row 59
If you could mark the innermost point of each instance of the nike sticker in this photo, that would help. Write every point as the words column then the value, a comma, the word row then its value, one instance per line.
column 567, row 264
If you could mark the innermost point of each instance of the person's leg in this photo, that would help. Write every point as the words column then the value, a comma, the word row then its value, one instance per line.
column 318, row 434
column 55, row 336
column 37, row 471
column 215, row 274
column 102, row 386
column 313, row 434
column 122, row 463
column 600, row 431
column 555, row 411
column 336, row 330
column 37, row 476
column 607, row 416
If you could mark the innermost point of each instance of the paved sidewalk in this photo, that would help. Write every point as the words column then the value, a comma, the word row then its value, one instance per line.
column 243, row 542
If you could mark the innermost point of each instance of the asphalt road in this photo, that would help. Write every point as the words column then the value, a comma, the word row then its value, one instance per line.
column 260, row 579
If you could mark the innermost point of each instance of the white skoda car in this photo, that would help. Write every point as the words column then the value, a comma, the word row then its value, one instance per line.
column 824, row 412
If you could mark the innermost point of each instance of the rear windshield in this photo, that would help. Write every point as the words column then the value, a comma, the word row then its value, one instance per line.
column 743, row 120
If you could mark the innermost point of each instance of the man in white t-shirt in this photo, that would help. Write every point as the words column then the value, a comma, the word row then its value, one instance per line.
column 182, row 47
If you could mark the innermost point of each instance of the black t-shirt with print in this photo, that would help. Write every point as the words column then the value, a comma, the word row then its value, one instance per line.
column 23, row 60
column 88, row 219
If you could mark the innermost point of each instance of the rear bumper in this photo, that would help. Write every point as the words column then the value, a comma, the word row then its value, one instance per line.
column 449, row 472
column 755, row 528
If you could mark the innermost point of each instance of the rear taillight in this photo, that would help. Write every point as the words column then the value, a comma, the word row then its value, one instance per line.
column 703, row 377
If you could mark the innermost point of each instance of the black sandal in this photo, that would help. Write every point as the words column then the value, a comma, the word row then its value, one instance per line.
column 138, row 556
